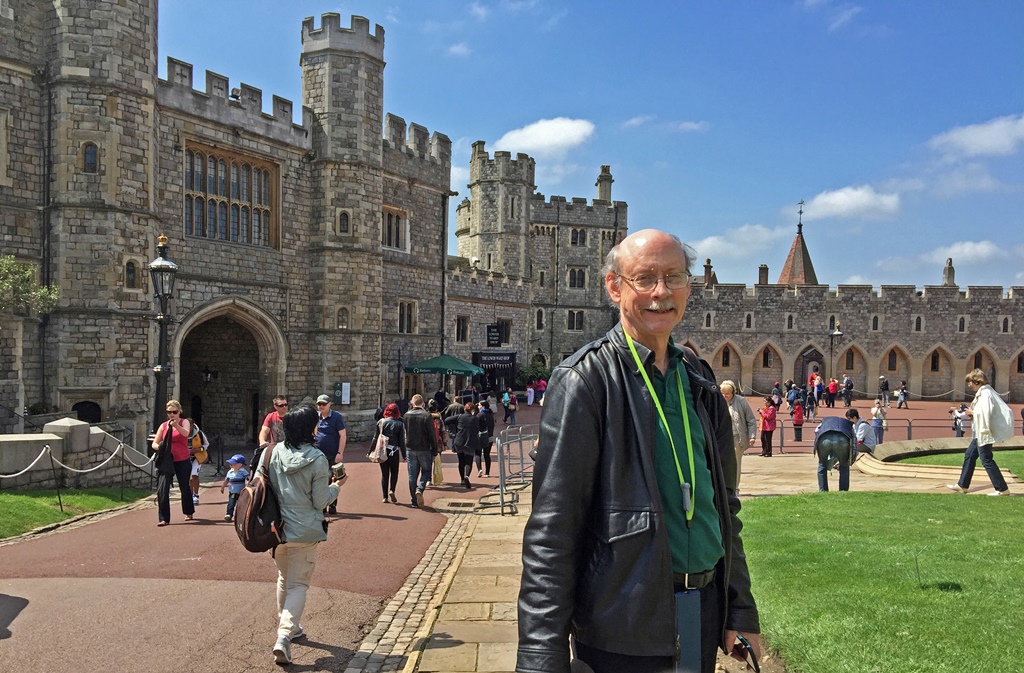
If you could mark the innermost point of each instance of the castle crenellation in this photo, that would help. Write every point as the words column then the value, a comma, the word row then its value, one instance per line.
column 331, row 36
column 243, row 110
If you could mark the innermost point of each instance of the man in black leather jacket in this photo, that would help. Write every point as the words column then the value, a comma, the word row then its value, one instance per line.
column 615, row 542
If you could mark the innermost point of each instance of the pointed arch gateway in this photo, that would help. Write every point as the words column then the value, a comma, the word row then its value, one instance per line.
column 727, row 363
column 938, row 374
column 231, row 356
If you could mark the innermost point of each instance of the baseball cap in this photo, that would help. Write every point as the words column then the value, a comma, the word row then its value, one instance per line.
column 324, row 399
column 881, row 377
column 238, row 459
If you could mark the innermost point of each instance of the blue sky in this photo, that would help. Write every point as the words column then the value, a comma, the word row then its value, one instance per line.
column 901, row 124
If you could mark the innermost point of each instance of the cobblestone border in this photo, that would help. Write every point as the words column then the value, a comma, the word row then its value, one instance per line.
column 403, row 628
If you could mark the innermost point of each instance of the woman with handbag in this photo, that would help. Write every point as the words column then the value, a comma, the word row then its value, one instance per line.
column 173, row 460
column 390, row 426
column 467, row 439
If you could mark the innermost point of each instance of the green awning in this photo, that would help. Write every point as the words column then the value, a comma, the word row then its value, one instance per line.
column 444, row 364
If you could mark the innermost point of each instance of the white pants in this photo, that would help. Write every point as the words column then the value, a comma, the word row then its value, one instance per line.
column 295, row 563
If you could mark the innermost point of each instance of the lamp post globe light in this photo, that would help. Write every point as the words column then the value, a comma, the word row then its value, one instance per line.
column 162, row 271
column 833, row 336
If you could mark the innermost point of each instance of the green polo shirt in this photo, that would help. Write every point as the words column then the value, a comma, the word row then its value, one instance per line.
column 698, row 547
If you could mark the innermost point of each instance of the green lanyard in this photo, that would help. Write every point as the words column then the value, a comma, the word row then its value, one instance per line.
column 668, row 431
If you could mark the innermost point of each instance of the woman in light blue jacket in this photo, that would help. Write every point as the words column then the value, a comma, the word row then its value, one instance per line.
column 300, row 478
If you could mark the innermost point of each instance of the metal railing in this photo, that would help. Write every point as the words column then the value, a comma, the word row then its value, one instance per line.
column 515, row 466
column 897, row 426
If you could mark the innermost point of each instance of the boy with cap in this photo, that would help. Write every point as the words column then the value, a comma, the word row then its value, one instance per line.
column 234, row 481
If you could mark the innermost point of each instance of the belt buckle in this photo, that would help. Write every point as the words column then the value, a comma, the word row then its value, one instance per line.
column 686, row 580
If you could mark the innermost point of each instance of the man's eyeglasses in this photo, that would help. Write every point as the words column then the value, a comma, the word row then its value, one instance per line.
column 173, row 412
column 321, row 404
column 647, row 282
column 281, row 406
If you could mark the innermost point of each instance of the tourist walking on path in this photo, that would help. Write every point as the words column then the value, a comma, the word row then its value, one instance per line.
column 847, row 390
column 991, row 422
column 173, row 460
column 883, row 390
column 272, row 430
column 421, row 446
column 830, row 393
column 331, row 436
column 513, row 405
column 486, row 420
column 744, row 423
column 390, row 425
column 467, row 439
column 902, row 396
column 300, row 477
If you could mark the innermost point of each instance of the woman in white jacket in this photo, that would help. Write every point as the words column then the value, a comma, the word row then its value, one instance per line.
column 301, row 480
column 744, row 423
column 992, row 421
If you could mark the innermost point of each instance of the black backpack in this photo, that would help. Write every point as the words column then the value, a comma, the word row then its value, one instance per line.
column 257, row 514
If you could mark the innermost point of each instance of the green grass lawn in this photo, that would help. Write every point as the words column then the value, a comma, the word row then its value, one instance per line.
column 839, row 592
column 1007, row 460
column 23, row 511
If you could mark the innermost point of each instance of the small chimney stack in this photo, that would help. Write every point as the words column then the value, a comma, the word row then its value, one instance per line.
column 762, row 274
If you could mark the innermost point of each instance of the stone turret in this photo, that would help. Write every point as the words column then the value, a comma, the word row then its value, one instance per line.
column 604, row 184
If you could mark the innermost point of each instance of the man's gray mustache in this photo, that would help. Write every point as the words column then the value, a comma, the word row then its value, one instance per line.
column 660, row 306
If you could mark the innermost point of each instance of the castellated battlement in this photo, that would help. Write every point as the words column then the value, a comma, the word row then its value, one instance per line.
column 502, row 167
column 539, row 202
column 241, row 107
column 332, row 37
column 418, row 143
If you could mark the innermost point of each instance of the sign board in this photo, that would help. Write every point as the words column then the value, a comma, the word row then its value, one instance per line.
column 342, row 393
column 493, row 335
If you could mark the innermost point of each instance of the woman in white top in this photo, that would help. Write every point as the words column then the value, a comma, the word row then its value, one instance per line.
column 991, row 422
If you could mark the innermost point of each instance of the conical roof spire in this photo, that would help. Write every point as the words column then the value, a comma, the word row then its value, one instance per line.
column 798, row 269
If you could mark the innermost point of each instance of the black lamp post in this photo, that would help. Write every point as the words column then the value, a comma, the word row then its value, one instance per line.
column 833, row 336
column 162, row 271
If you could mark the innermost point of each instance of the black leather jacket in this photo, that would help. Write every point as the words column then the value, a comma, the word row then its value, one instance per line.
column 596, row 560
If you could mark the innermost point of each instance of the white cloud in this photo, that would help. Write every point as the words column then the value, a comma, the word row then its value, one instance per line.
column 479, row 12
column 638, row 120
column 552, row 22
column 551, row 138
column 965, row 179
column 843, row 17
column 741, row 243
column 856, row 279
column 460, row 178
column 690, row 127
column 997, row 137
column 460, row 49
column 861, row 201
column 965, row 252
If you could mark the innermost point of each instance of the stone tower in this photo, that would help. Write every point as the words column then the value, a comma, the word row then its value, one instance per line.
column 343, row 85
column 493, row 224
column 99, row 79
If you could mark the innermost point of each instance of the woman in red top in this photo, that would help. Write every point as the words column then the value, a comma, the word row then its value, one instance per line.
column 767, row 413
column 173, row 459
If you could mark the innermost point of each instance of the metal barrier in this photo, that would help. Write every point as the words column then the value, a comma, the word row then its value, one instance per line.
column 515, row 467
column 910, row 423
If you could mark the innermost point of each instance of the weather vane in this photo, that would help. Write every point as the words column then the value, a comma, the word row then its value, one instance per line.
column 800, row 221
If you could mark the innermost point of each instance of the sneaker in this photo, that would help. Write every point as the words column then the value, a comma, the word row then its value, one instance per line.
column 283, row 651
column 298, row 634
column 419, row 498
column 996, row 493
column 479, row 473
column 195, row 499
column 391, row 495
column 227, row 517
column 956, row 487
